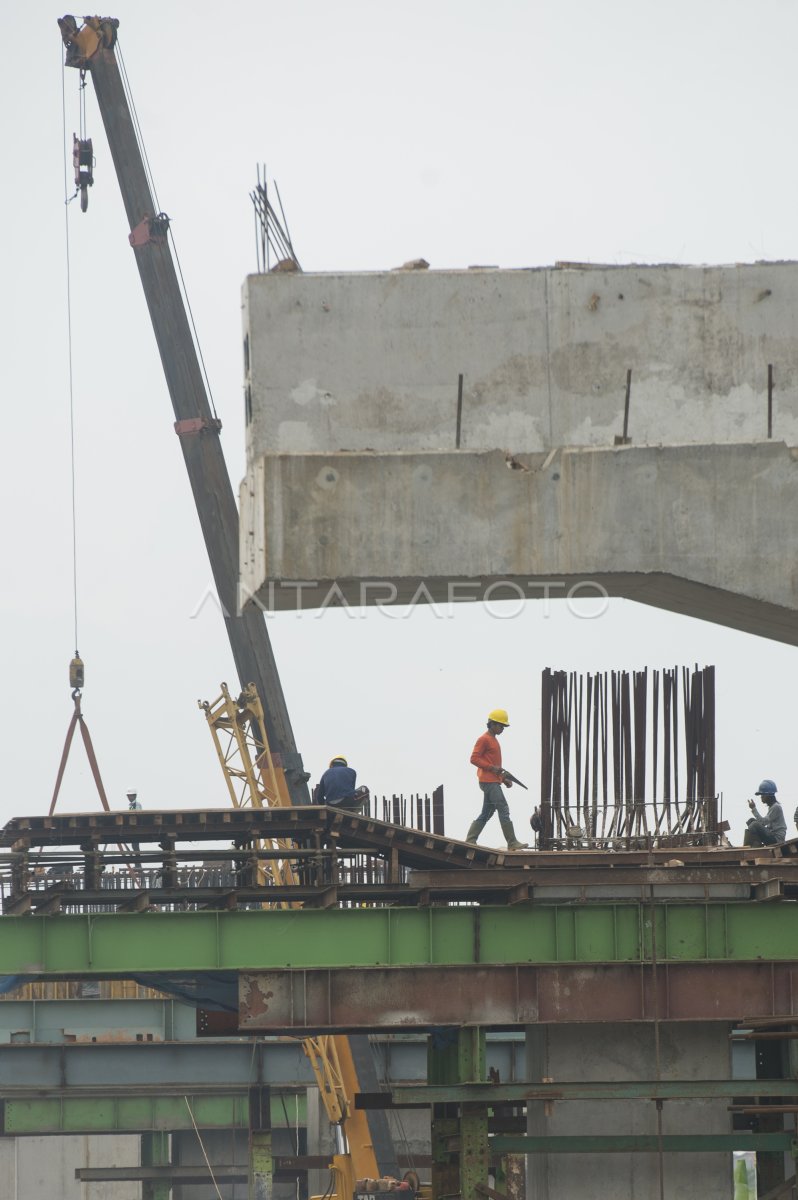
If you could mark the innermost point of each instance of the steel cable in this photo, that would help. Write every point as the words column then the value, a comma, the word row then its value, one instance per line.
column 202, row 1148
column 67, row 199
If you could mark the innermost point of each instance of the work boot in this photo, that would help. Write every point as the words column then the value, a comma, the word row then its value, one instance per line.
column 474, row 831
column 509, row 836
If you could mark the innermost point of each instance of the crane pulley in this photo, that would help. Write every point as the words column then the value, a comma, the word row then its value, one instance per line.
column 82, row 41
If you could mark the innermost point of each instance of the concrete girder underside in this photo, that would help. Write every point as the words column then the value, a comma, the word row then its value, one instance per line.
column 710, row 531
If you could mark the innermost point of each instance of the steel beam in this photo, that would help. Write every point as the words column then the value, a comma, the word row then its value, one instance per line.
column 524, row 1093
column 113, row 1068
column 169, row 1174
column 257, row 940
column 649, row 1143
column 116, row 1114
column 506, row 996
column 144, row 1067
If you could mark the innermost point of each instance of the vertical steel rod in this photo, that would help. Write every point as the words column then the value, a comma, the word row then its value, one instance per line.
column 626, row 404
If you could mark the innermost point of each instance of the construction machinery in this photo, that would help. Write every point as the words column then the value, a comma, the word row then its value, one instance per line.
column 90, row 48
column 238, row 729
column 275, row 774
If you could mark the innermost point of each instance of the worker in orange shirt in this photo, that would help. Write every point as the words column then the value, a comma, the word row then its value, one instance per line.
column 487, row 758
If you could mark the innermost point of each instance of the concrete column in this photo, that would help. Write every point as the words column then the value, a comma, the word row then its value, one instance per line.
column 616, row 1053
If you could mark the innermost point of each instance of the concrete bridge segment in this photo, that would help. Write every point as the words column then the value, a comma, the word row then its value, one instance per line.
column 356, row 493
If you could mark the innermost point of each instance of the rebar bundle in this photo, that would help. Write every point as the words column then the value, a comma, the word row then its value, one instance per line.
column 628, row 758
column 272, row 237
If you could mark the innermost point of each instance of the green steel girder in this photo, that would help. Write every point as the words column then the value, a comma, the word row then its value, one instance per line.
column 700, row 1143
column 138, row 1114
column 139, row 943
column 651, row 1089
column 454, row 1056
column 474, row 1150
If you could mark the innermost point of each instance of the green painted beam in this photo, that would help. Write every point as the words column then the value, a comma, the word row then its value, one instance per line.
column 259, row 939
column 700, row 1143
column 142, row 1114
column 155, row 1153
column 652, row 1089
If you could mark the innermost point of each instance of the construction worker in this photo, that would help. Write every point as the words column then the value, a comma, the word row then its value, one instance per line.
column 487, row 758
column 337, row 786
column 134, row 805
column 770, row 827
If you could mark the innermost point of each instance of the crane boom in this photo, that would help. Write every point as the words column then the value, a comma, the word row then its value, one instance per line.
column 92, row 48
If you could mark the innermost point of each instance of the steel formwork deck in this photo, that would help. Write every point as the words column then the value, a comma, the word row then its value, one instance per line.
column 440, row 933
column 84, row 861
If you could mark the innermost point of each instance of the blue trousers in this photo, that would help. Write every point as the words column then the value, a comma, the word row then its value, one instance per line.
column 494, row 801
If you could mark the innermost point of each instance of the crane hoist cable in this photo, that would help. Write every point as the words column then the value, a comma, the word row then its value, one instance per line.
column 70, row 371
column 76, row 667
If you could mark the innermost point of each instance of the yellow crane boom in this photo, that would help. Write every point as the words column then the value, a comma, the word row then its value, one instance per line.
column 255, row 780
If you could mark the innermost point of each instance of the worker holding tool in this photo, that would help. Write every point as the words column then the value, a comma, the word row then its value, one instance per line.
column 769, row 828
column 487, row 758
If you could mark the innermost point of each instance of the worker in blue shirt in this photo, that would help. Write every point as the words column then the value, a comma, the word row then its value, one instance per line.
column 337, row 784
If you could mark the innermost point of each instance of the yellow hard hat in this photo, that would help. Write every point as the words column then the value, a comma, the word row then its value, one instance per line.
column 339, row 758
column 499, row 715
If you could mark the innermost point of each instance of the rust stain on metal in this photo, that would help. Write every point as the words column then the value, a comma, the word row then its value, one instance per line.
column 254, row 998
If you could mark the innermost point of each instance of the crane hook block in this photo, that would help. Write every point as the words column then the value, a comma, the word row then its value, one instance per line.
column 83, row 162
column 76, row 673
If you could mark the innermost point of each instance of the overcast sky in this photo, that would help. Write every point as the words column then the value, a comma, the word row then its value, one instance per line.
column 510, row 133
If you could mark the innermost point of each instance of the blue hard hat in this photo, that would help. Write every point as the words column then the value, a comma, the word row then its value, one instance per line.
column 767, row 788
